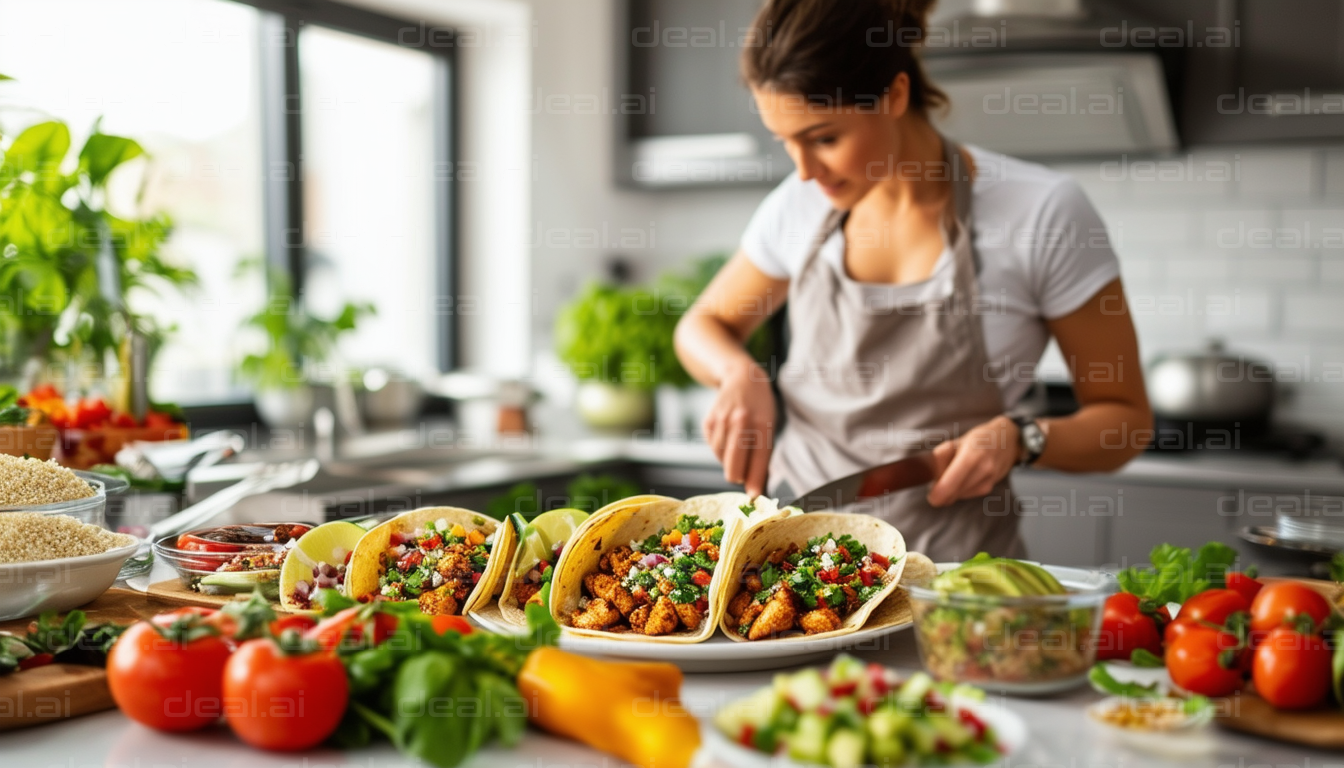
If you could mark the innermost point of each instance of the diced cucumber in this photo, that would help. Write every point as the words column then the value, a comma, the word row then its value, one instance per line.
column 923, row 736
column 756, row 710
column 887, row 752
column 845, row 669
column 845, row 748
column 912, row 693
column 807, row 743
column 807, row 690
column 951, row 731
column 887, row 723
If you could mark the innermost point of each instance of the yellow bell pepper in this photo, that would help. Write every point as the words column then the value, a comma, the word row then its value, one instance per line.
column 631, row 710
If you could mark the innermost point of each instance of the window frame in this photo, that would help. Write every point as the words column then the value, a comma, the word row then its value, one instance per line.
column 282, row 149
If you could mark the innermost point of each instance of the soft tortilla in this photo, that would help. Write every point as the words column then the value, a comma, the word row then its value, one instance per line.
column 778, row 532
column 364, row 563
column 616, row 525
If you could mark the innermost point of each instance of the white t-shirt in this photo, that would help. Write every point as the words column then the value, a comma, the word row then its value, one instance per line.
column 1042, row 247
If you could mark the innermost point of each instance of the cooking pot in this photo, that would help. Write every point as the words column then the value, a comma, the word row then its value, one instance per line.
column 1211, row 390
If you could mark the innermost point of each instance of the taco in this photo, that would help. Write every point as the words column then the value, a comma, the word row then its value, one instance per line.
column 648, row 571
column 540, row 544
column 448, row 559
column 811, row 575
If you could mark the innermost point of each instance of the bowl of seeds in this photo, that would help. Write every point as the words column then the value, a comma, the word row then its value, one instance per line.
column 32, row 485
column 55, row 562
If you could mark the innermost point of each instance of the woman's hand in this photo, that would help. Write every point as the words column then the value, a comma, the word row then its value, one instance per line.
column 740, row 427
column 970, row 466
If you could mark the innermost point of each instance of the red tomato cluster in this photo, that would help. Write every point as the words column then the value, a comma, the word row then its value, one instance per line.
column 286, row 690
column 1271, row 632
column 87, row 413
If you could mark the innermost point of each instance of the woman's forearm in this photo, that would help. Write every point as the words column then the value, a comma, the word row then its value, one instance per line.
column 710, row 351
column 1100, row 437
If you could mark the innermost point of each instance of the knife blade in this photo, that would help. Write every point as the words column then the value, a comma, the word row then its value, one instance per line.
column 870, row 483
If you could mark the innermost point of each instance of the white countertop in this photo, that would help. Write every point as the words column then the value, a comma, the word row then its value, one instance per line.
column 1059, row 736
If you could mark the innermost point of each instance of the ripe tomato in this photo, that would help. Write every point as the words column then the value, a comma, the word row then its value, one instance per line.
column 1178, row 627
column 1244, row 584
column 283, row 701
column 1125, row 628
column 1205, row 660
column 1280, row 601
column 1213, row 606
column 297, row 621
column 1292, row 670
column 166, row 674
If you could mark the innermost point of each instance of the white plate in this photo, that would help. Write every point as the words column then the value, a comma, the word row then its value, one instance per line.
column 718, row 653
column 1008, row 726
column 27, row 589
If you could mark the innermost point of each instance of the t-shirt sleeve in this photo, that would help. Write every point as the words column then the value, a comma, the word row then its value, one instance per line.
column 763, row 239
column 1073, row 258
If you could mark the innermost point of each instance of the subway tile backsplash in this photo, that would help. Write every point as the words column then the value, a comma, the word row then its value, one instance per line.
column 1245, row 245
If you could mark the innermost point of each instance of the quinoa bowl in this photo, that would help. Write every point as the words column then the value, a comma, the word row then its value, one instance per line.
column 55, row 563
column 31, row 485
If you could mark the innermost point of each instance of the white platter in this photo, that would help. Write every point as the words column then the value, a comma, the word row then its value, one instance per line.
column 717, row 654
column 1008, row 726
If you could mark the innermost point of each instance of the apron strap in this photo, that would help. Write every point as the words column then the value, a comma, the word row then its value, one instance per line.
column 961, row 195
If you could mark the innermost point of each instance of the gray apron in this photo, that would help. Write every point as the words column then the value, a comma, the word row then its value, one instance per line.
column 871, row 378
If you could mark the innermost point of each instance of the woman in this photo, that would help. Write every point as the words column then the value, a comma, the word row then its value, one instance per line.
column 923, row 281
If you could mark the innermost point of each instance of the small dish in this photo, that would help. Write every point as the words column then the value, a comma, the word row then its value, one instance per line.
column 1159, row 726
column 225, row 560
column 28, row 589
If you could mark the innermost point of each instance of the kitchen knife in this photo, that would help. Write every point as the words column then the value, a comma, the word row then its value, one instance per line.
column 909, row 472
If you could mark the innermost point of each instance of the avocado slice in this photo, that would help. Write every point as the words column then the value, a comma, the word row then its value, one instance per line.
column 233, row 582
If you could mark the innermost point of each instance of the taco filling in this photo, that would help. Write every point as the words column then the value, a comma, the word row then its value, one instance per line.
column 528, row 587
column 811, row 589
column 656, row 586
column 437, row 565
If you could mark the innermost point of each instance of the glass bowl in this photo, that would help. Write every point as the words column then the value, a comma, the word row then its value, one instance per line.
column 211, row 572
column 90, row 509
column 1023, row 645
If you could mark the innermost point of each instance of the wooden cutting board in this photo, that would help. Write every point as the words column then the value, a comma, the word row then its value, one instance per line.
column 1249, row 713
column 58, row 691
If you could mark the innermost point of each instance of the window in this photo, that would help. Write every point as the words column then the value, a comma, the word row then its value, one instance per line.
column 208, row 87
column 180, row 77
column 368, row 161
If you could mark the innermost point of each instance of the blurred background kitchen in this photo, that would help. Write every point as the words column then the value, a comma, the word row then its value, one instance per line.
column 442, row 245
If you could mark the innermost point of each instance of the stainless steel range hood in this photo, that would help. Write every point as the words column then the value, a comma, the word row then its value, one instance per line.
column 1048, row 79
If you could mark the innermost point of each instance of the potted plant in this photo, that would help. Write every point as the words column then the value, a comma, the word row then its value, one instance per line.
column 618, row 342
column 68, row 266
column 295, row 339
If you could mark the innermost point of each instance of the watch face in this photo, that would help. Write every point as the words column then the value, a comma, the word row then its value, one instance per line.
column 1034, row 438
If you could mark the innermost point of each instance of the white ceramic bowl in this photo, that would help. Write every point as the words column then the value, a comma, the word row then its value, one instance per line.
column 28, row 589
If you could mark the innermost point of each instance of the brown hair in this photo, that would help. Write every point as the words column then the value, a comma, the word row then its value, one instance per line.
column 840, row 51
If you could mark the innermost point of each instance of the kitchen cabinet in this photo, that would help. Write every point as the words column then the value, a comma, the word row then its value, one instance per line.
column 1111, row 521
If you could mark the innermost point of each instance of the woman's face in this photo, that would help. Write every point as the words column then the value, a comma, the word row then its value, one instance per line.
column 847, row 149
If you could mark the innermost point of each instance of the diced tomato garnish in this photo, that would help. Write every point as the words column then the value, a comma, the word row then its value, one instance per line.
column 866, row 706
column 829, row 575
column 475, row 577
column 866, row 577
column 444, row 624
column 845, row 552
column 410, row 560
column 431, row 542
column 693, row 538
column 881, row 560
column 748, row 736
column 844, row 689
column 702, row 604
column 702, row 578
column 968, row 717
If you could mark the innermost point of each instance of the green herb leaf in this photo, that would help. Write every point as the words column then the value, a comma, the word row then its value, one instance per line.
column 1142, row 657
column 1102, row 681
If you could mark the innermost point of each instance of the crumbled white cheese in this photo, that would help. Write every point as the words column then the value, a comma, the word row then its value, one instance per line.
column 634, row 571
column 826, row 561
column 669, row 572
column 442, row 524
column 829, row 546
column 436, row 580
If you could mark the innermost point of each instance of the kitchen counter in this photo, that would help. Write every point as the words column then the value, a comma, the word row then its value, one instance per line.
column 1060, row 735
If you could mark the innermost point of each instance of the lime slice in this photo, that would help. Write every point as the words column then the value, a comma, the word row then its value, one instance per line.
column 538, row 538
column 328, row 543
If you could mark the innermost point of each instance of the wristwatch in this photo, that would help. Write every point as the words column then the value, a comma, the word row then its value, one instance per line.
column 1032, row 438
